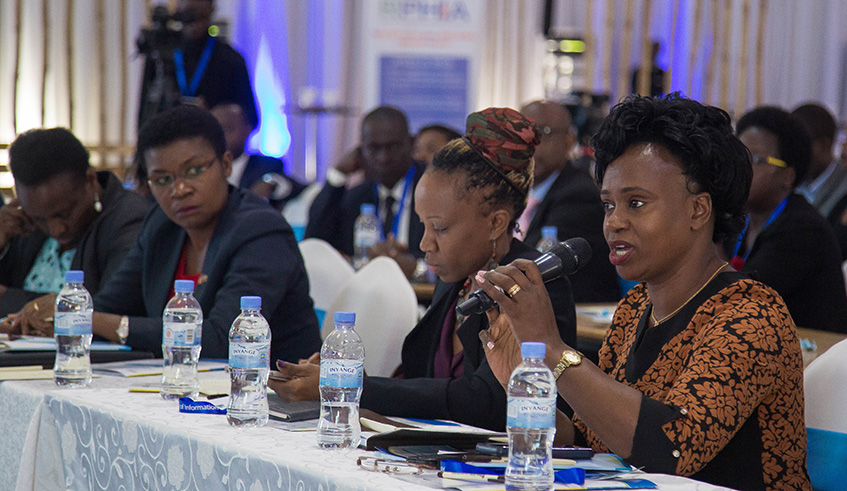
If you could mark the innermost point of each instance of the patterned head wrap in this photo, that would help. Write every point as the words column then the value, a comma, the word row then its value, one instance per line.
column 506, row 140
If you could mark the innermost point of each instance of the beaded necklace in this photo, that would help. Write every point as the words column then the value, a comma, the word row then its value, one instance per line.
column 462, row 291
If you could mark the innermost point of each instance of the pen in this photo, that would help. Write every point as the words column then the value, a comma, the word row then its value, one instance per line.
column 462, row 476
column 488, row 459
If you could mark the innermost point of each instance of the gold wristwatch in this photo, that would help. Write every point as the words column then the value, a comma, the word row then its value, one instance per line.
column 569, row 358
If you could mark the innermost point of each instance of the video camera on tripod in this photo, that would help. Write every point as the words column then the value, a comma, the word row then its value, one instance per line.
column 165, row 31
column 158, row 43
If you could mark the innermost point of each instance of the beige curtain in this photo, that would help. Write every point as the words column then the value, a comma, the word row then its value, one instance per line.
column 514, row 47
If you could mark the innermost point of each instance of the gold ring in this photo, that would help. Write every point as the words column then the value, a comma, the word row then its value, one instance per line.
column 513, row 291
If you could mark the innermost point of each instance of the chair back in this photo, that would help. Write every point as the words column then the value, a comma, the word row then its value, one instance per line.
column 825, row 387
column 386, row 310
column 328, row 273
column 296, row 211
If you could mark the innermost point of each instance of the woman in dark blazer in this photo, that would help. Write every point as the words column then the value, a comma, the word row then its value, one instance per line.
column 468, row 200
column 230, row 242
column 64, row 203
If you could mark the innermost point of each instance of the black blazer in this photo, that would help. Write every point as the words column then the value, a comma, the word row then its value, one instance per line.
column 258, row 166
column 252, row 252
column 798, row 256
column 100, row 251
column 335, row 209
column 573, row 205
column 476, row 398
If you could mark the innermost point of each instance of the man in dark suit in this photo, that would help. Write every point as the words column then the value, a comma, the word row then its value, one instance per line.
column 385, row 157
column 263, row 175
column 567, row 198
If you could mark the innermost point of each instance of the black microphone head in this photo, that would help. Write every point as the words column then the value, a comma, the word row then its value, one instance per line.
column 477, row 303
column 574, row 253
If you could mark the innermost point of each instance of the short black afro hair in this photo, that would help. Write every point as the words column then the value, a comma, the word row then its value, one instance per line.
column 38, row 155
column 179, row 123
column 700, row 137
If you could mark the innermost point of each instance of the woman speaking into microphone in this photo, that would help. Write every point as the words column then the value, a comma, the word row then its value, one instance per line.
column 700, row 373
column 468, row 201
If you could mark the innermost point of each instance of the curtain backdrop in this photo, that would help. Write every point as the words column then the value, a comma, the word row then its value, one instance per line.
column 71, row 62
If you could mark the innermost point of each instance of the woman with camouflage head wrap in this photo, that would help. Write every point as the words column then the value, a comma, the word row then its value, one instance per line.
column 468, row 200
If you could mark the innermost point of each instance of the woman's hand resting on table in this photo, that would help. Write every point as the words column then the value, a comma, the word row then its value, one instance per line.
column 35, row 319
column 304, row 379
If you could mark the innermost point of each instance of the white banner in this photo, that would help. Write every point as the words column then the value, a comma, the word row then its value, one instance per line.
column 423, row 57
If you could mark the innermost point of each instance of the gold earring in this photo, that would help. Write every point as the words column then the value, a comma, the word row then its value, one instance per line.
column 492, row 263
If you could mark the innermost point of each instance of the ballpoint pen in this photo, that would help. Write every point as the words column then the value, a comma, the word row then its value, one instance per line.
column 462, row 476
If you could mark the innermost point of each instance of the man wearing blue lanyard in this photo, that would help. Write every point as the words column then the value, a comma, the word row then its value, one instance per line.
column 786, row 243
column 384, row 156
column 205, row 69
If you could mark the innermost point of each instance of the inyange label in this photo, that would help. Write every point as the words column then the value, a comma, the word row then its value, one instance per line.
column 346, row 374
column 527, row 412
column 72, row 323
column 249, row 355
column 181, row 333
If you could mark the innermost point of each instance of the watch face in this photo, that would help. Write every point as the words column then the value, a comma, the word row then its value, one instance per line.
column 572, row 357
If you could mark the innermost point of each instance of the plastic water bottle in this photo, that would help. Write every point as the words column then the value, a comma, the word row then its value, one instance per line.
column 72, row 331
column 548, row 238
column 365, row 234
column 182, row 330
column 249, row 365
column 531, row 421
column 342, row 369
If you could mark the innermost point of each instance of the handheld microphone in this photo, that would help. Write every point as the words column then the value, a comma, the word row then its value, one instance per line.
column 564, row 258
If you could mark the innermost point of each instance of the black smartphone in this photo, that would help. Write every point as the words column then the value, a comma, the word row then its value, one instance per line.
column 494, row 449
column 575, row 453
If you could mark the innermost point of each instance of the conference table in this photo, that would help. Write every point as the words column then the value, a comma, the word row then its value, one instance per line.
column 106, row 437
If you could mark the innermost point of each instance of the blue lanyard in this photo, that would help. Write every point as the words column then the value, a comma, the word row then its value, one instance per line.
column 179, row 61
column 410, row 176
column 774, row 215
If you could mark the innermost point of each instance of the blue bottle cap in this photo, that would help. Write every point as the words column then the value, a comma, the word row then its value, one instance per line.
column 248, row 302
column 345, row 317
column 550, row 232
column 367, row 209
column 74, row 276
column 531, row 349
column 184, row 286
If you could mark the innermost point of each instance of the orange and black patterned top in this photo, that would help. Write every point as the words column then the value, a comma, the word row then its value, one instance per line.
column 722, row 383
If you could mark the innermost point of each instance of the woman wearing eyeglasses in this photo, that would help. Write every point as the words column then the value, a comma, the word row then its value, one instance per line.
column 786, row 244
column 227, row 240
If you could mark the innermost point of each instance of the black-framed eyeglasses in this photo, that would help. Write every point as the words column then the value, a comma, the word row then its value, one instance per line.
column 763, row 160
column 165, row 181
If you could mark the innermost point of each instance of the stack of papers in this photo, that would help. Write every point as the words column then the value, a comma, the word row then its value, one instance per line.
column 38, row 343
column 379, row 431
column 143, row 368
column 603, row 471
column 33, row 372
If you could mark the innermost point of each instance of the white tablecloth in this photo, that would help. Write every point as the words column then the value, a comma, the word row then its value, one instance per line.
column 105, row 437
